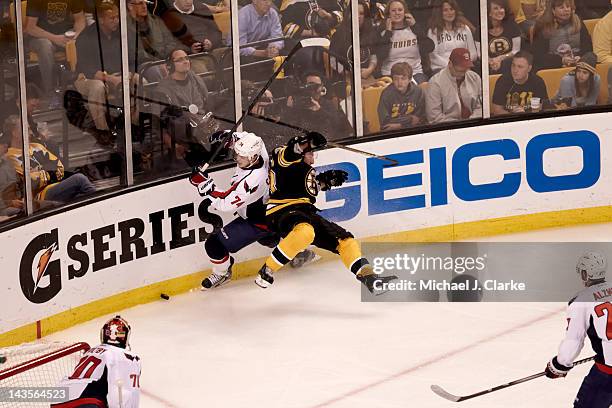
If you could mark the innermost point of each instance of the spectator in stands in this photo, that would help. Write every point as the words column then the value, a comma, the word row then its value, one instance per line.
column 259, row 21
column 40, row 131
column 449, row 29
column 99, row 68
column 504, row 37
column 50, row 25
column 602, row 39
column 513, row 92
column 199, row 21
column 301, row 19
column 454, row 93
column 151, row 38
column 404, row 41
column 533, row 10
column 308, row 109
column 402, row 104
column 181, row 89
column 11, row 203
column 341, row 42
column 560, row 36
column 581, row 86
column 591, row 9
column 46, row 170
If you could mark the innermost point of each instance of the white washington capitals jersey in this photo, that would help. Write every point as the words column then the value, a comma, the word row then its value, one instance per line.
column 589, row 314
column 104, row 372
column 248, row 193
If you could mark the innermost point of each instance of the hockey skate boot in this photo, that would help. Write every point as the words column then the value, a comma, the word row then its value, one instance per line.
column 372, row 281
column 265, row 278
column 215, row 280
column 303, row 258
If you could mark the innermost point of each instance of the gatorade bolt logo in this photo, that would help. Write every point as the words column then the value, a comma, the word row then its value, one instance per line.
column 39, row 272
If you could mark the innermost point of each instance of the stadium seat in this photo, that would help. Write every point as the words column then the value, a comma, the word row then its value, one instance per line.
column 371, row 96
column 492, row 81
column 590, row 25
column 552, row 78
column 223, row 22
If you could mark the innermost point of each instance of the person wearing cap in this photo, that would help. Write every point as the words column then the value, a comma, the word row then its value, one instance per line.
column 454, row 93
column 514, row 91
column 580, row 87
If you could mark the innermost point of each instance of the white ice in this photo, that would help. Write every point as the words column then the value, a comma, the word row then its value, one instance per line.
column 309, row 342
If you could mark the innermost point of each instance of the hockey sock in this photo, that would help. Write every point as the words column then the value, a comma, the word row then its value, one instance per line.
column 220, row 267
column 350, row 253
column 295, row 242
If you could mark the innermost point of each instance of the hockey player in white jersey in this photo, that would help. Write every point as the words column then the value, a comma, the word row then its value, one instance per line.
column 108, row 375
column 589, row 313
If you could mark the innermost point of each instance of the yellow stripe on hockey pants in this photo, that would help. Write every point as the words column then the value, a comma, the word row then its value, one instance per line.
column 350, row 252
column 295, row 242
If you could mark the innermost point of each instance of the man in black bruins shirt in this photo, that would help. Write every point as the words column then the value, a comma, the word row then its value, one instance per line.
column 294, row 186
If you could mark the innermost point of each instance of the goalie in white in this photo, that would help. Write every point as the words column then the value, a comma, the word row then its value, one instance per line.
column 108, row 375
column 247, row 197
column 589, row 313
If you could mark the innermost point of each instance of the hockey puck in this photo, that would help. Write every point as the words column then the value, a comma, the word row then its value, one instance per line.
column 2, row 359
column 164, row 296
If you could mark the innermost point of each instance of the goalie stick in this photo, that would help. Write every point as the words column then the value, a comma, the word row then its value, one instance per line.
column 456, row 398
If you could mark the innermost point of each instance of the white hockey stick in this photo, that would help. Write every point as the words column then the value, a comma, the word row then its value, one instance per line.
column 456, row 398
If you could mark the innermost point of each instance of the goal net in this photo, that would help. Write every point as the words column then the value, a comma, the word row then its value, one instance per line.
column 36, row 365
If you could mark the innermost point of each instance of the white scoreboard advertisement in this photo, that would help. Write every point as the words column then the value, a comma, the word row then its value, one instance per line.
column 444, row 178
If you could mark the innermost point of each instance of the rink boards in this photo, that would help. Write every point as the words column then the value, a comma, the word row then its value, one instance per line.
column 450, row 184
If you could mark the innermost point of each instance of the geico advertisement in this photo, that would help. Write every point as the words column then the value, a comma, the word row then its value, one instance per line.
column 472, row 174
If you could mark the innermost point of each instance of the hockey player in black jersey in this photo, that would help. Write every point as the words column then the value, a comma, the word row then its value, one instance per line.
column 294, row 186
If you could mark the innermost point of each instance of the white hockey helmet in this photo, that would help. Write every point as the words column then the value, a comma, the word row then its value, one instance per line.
column 593, row 264
column 248, row 145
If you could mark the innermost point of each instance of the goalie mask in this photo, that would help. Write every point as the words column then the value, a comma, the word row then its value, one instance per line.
column 593, row 264
column 247, row 149
column 116, row 332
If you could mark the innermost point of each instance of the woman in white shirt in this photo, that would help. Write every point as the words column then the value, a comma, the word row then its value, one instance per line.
column 404, row 41
column 449, row 29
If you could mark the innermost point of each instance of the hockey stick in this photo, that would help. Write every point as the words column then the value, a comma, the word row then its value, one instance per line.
column 363, row 152
column 307, row 42
column 455, row 398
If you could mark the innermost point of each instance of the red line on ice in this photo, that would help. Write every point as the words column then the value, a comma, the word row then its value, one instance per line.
column 434, row 360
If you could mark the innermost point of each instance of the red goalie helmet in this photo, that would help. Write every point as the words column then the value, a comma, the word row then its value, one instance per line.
column 116, row 332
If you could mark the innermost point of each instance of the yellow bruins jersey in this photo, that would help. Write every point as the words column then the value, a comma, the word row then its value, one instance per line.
column 291, row 180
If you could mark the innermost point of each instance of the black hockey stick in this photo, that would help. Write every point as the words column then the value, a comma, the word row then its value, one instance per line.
column 307, row 42
column 455, row 398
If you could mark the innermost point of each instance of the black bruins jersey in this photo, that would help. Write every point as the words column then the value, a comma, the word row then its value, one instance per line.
column 291, row 180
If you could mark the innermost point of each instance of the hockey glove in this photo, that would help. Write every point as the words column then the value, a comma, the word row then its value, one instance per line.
column 203, row 183
column 331, row 178
column 554, row 369
column 219, row 136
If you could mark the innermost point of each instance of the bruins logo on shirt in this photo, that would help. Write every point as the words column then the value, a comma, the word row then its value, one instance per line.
column 56, row 12
column 499, row 46
column 311, row 184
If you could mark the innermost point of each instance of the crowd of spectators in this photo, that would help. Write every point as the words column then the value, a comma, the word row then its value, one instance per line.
column 425, row 55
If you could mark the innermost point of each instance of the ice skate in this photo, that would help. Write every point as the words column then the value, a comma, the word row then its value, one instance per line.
column 305, row 257
column 214, row 280
column 265, row 278
column 372, row 281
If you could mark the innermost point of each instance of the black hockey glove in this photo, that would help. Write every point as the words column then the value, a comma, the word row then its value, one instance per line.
column 315, row 140
column 554, row 369
column 219, row 136
column 331, row 178
column 47, row 164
